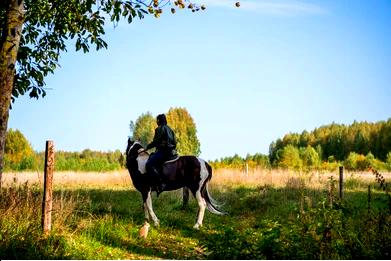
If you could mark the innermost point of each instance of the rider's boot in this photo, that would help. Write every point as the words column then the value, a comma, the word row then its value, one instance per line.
column 160, row 185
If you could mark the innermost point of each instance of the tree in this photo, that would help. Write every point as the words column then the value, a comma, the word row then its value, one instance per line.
column 310, row 157
column 181, row 122
column 185, row 130
column 19, row 154
column 143, row 129
column 337, row 141
column 290, row 158
column 33, row 33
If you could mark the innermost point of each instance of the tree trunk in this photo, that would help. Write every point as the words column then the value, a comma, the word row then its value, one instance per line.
column 9, row 46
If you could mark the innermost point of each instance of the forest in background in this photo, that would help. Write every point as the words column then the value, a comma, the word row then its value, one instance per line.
column 357, row 146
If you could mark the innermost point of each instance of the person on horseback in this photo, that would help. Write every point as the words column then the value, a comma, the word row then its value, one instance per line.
column 165, row 143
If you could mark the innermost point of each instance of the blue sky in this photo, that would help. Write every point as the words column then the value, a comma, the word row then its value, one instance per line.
column 247, row 75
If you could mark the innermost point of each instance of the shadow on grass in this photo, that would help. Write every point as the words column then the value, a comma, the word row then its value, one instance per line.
column 117, row 215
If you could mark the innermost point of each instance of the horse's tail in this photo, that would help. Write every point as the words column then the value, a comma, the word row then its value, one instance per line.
column 211, row 204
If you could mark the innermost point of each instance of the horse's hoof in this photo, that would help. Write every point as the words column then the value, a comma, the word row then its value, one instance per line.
column 197, row 226
column 156, row 223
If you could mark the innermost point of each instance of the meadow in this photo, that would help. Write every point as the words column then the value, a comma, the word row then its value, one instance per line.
column 272, row 214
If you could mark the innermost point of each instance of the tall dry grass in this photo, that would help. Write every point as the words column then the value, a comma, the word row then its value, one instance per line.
column 113, row 179
column 285, row 178
column 221, row 177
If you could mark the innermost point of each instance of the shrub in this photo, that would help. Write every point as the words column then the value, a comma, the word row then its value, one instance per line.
column 19, row 155
column 310, row 157
column 388, row 160
column 289, row 158
column 356, row 162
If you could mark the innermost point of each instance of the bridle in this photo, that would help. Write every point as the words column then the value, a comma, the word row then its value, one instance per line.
column 141, row 150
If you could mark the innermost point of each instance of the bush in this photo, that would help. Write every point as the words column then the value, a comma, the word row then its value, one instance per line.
column 310, row 157
column 388, row 160
column 18, row 153
column 289, row 158
column 356, row 162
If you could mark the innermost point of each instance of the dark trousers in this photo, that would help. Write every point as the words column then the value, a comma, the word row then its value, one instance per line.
column 155, row 161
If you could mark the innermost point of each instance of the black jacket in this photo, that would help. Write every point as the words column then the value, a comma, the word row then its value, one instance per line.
column 164, row 138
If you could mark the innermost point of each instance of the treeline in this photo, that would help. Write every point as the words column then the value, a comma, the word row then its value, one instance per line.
column 357, row 146
column 20, row 156
column 257, row 160
column 87, row 160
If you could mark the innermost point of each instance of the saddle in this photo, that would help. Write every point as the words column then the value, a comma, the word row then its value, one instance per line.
column 171, row 159
column 166, row 168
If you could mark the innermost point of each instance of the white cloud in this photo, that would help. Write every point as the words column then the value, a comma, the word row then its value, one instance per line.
column 270, row 7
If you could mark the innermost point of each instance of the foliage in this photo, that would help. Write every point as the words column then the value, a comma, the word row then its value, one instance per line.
column 181, row 122
column 310, row 157
column 50, row 25
column 360, row 162
column 318, row 233
column 257, row 160
column 143, row 129
column 185, row 131
column 356, row 161
column 388, row 160
column 289, row 157
column 87, row 160
column 336, row 142
column 19, row 154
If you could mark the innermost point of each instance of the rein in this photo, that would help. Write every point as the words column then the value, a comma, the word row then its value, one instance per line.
column 141, row 150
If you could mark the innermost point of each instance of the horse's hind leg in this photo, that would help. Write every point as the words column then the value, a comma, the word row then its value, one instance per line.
column 148, row 210
column 201, row 211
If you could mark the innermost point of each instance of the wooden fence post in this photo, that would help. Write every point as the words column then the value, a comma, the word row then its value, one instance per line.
column 341, row 182
column 48, row 188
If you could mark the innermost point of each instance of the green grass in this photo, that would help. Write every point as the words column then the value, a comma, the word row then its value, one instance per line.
column 262, row 222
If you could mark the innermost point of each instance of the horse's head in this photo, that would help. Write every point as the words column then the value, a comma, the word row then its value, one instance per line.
column 136, row 156
column 132, row 149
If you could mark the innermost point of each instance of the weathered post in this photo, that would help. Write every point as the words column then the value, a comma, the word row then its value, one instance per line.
column 48, row 188
column 341, row 182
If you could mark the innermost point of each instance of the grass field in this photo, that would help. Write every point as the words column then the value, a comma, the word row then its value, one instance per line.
column 271, row 214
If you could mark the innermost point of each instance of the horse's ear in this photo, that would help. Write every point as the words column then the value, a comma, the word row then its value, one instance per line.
column 130, row 141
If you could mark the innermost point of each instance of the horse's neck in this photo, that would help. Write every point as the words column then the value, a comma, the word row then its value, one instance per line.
column 141, row 162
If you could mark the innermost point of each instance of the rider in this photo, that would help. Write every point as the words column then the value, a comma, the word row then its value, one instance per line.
column 165, row 143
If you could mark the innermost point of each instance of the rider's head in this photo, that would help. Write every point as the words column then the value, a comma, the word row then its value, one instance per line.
column 161, row 119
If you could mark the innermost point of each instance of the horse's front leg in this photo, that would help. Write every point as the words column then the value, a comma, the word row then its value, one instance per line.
column 148, row 210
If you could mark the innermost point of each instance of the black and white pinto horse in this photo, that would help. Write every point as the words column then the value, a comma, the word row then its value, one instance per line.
column 185, row 171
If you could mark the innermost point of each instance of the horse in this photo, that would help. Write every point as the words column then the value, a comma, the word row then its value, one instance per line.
column 183, row 172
